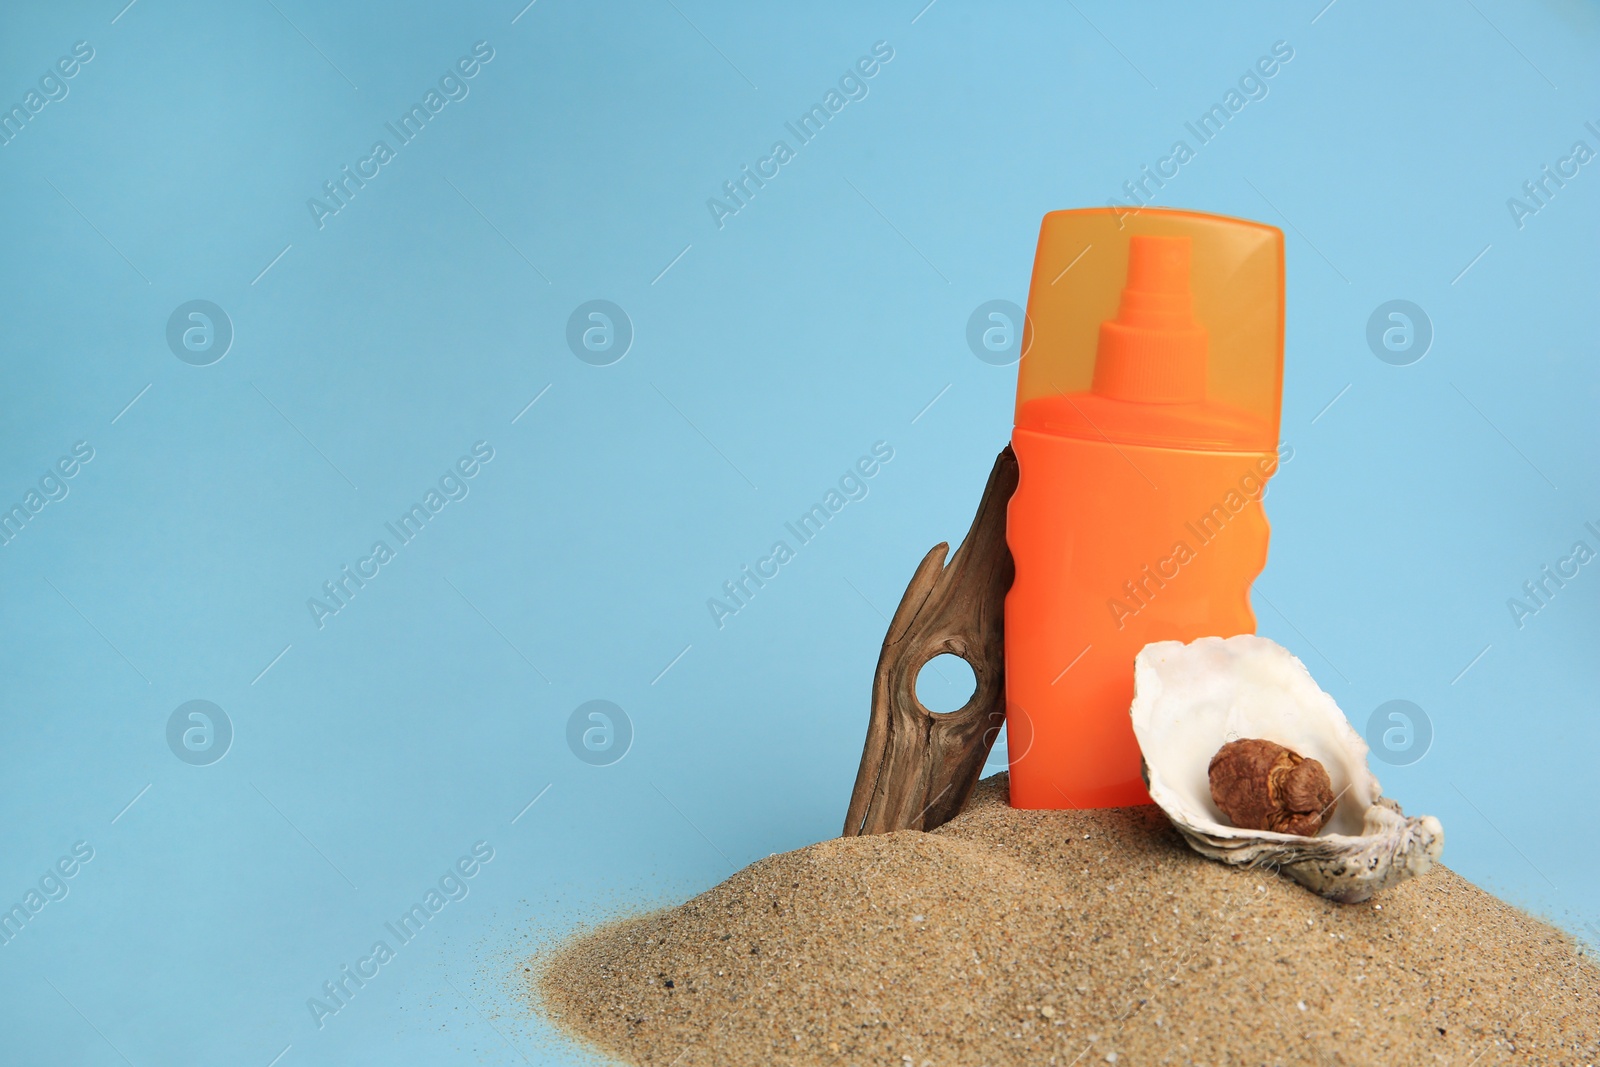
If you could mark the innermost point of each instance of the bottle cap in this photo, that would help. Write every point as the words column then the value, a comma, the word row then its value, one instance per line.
column 1155, row 327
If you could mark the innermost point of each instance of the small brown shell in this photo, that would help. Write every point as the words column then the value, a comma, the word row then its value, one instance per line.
column 1261, row 785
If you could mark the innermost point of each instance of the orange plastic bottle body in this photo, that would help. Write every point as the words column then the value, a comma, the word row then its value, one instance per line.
column 1148, row 403
column 1115, row 546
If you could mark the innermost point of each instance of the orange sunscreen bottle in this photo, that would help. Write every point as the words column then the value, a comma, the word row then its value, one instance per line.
column 1146, row 427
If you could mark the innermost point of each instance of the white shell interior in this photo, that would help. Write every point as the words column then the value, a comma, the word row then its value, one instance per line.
column 1191, row 699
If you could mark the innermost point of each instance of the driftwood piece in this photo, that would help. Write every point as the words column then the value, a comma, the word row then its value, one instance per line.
column 919, row 767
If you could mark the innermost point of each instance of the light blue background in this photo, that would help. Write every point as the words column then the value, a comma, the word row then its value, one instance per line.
column 823, row 317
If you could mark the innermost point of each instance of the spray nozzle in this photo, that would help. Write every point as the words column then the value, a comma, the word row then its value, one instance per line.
column 1154, row 351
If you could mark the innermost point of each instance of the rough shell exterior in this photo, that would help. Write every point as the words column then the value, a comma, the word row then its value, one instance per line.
column 1190, row 699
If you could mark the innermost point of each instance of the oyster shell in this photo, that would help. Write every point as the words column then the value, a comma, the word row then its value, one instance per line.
column 1190, row 699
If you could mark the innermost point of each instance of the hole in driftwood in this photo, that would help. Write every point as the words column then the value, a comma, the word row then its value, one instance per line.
column 945, row 684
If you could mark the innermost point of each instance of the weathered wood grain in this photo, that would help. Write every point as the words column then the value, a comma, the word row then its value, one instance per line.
column 919, row 767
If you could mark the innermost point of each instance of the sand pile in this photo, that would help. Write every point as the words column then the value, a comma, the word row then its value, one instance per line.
column 1088, row 937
